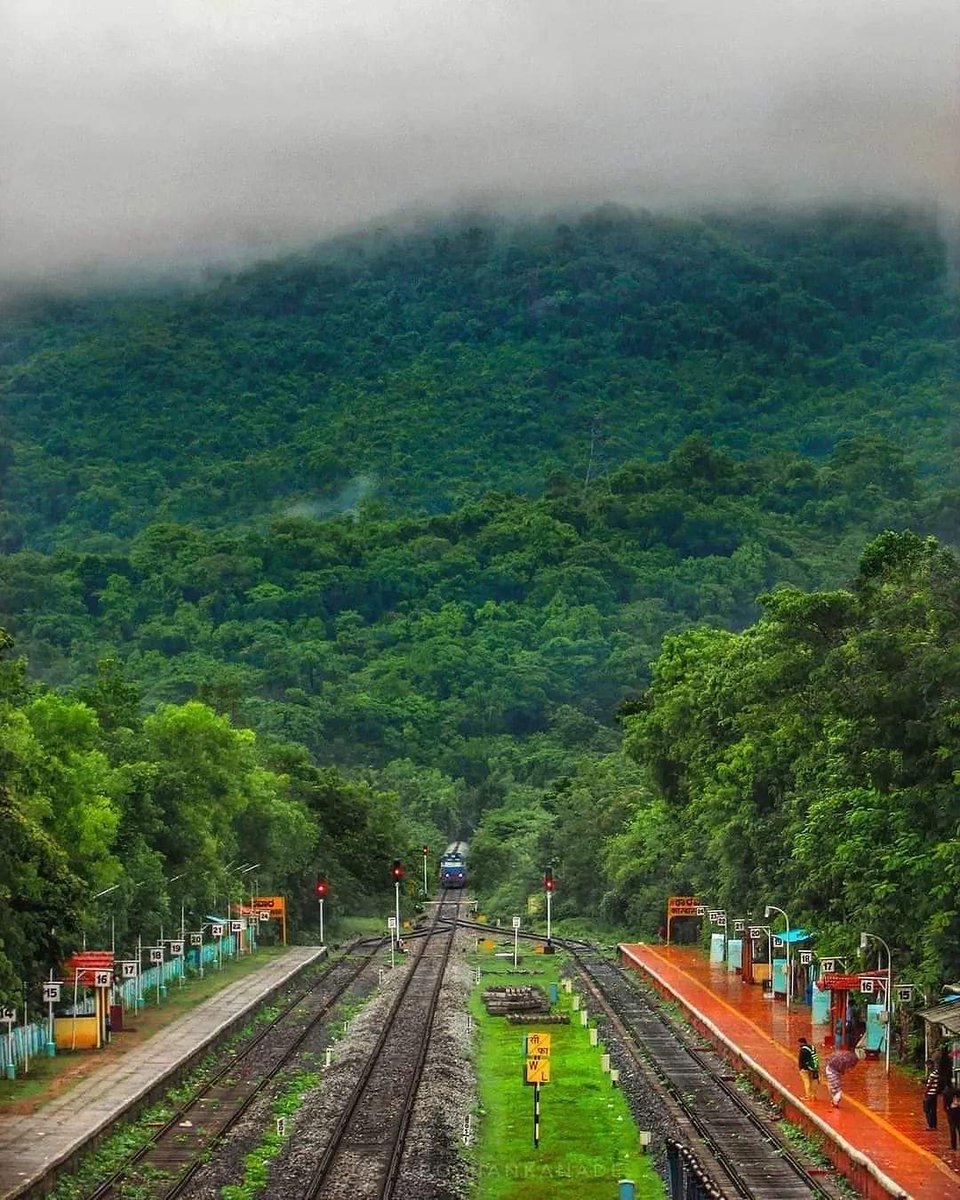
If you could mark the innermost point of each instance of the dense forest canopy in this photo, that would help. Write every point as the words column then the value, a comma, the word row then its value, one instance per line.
column 425, row 368
column 372, row 546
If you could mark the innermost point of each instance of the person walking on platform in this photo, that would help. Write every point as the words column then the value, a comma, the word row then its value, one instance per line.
column 951, row 1106
column 809, row 1067
column 931, row 1089
column 837, row 1066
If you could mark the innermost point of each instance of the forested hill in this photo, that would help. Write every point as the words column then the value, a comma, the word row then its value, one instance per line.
column 559, row 445
column 493, row 643
column 422, row 369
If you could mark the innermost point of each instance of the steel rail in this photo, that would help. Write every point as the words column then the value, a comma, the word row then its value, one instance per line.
column 758, row 1165
column 413, row 1087
column 111, row 1186
column 338, row 1134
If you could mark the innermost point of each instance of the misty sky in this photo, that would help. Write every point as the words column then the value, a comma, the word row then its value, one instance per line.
column 190, row 131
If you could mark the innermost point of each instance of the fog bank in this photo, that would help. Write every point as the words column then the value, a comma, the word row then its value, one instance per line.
column 141, row 136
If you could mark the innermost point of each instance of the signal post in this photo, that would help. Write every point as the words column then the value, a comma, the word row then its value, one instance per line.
column 322, row 890
column 549, row 886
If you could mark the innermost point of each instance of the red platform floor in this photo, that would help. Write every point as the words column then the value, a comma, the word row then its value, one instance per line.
column 877, row 1136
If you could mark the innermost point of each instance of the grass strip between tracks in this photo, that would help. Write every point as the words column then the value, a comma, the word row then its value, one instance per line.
column 588, row 1140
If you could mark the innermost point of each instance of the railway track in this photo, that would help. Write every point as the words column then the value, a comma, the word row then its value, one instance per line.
column 163, row 1167
column 757, row 1164
column 740, row 1143
column 362, row 1157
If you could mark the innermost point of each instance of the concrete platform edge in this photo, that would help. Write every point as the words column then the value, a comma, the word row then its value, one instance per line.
column 850, row 1152
column 44, row 1180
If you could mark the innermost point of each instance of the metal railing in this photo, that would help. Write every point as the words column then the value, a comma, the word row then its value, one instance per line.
column 29, row 1041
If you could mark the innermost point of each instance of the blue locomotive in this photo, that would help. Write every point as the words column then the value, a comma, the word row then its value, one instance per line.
column 453, row 871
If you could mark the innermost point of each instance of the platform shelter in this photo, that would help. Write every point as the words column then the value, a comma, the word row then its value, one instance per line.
column 877, row 1137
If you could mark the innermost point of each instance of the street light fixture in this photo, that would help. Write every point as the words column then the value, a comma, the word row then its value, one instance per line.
column 772, row 908
column 245, row 869
column 113, row 919
column 888, row 998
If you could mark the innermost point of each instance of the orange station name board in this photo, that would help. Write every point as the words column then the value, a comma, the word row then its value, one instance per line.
column 276, row 905
column 683, row 906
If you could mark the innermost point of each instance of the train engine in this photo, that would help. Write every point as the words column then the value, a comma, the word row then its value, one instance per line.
column 453, row 871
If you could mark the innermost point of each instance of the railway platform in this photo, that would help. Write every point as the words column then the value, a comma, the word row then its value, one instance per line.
column 877, row 1137
column 33, row 1146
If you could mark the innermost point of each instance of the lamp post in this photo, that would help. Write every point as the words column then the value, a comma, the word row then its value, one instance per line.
column 113, row 919
column 174, row 879
column 887, row 1002
column 244, row 870
column 772, row 908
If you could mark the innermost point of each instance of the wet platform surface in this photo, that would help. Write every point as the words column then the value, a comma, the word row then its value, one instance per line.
column 30, row 1146
column 880, row 1117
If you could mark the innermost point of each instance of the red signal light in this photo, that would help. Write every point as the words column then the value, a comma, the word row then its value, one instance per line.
column 549, row 883
column 426, row 851
column 322, row 887
column 397, row 870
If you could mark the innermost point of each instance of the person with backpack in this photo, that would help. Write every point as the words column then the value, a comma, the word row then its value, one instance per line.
column 809, row 1066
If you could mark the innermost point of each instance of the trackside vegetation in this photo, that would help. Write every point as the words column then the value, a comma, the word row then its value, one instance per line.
column 578, row 1099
